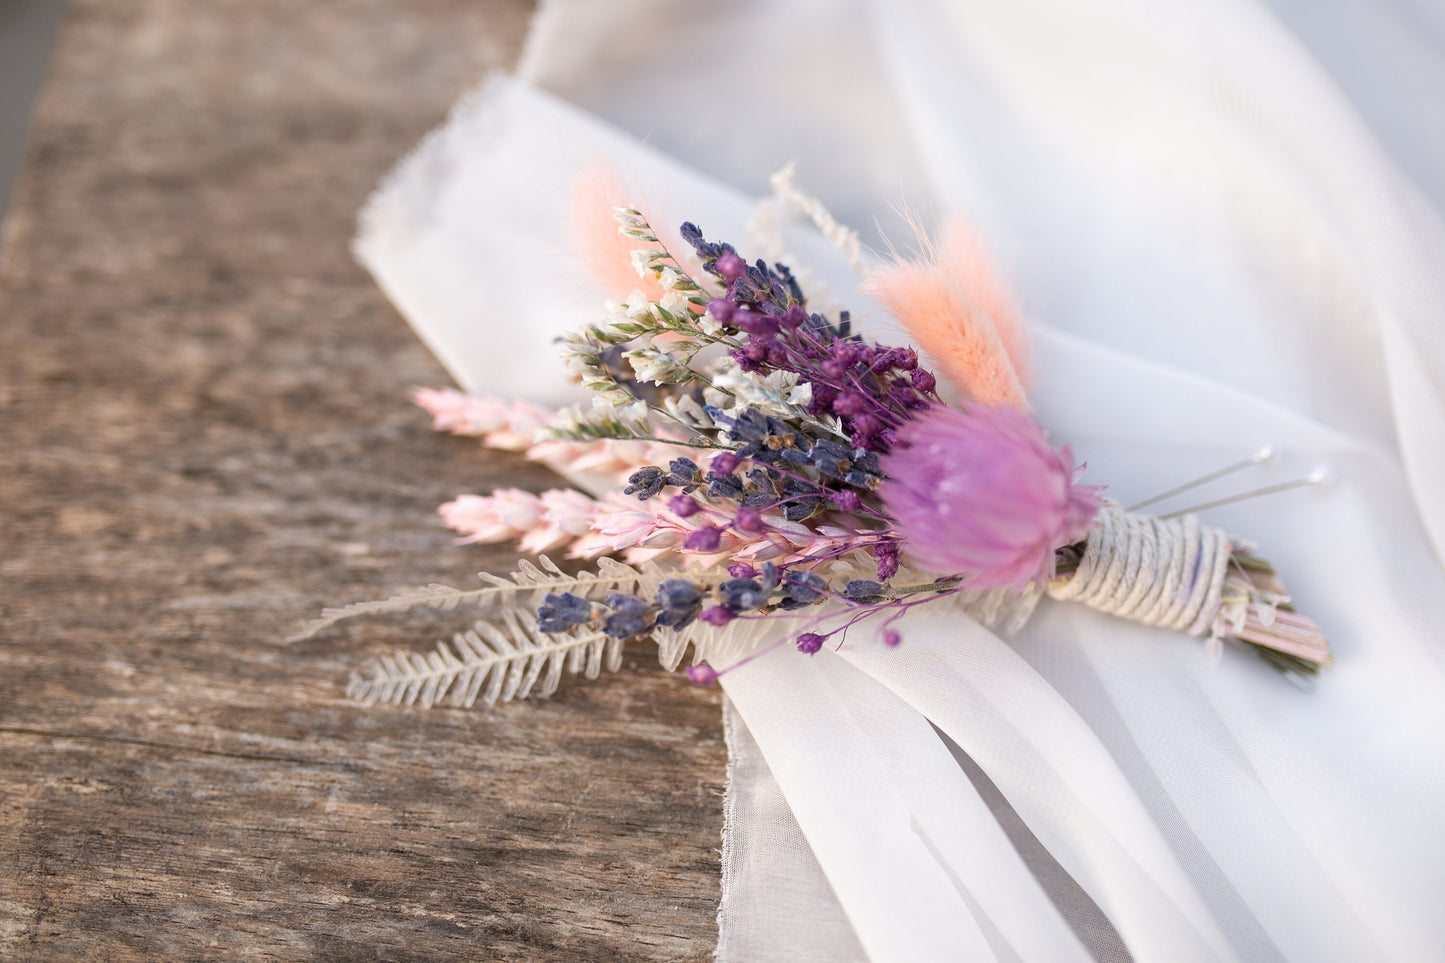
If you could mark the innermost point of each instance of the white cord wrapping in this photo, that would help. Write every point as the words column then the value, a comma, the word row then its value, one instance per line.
column 1168, row 573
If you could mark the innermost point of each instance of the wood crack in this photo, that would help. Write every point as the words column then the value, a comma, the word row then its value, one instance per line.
column 150, row 744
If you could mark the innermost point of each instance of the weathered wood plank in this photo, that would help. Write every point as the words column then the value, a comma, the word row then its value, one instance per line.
column 205, row 439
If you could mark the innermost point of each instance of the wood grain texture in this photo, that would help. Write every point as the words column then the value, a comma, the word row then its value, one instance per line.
column 205, row 439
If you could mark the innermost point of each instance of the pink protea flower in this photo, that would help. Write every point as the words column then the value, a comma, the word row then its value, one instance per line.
column 983, row 495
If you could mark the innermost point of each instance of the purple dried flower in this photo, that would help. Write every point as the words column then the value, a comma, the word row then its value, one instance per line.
column 886, row 555
column 757, row 325
column 678, row 601
column 630, row 616
column 742, row 595
column 982, row 494
column 742, row 570
column 731, row 266
column 705, row 539
column 725, row 463
column 863, row 590
column 891, row 638
column 558, row 613
column 809, row 642
column 645, row 482
column 721, row 309
column 749, row 520
column 716, row 616
column 683, row 506
column 702, row 674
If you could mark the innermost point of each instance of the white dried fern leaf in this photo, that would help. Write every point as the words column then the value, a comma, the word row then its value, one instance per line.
column 526, row 586
column 488, row 661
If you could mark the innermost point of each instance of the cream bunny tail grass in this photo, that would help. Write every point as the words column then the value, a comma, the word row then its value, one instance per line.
column 956, row 308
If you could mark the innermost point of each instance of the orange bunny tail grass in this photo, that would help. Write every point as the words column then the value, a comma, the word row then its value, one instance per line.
column 606, row 255
column 956, row 308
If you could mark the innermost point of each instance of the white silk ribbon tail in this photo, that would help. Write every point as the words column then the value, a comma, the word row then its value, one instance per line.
column 916, row 859
column 776, row 900
column 1055, row 772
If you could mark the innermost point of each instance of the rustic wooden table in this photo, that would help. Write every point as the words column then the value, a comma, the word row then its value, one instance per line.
column 205, row 439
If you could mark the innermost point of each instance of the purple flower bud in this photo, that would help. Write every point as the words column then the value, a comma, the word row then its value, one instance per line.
column 683, row 506
column 755, row 324
column 891, row 638
column 705, row 539
column 849, row 403
column 742, row 570
column 702, row 673
column 742, row 595
column 716, row 616
column 645, row 482
column 794, row 317
column 725, row 463
column 721, row 310
column 731, row 266
column 923, row 380
column 833, row 368
column 744, row 362
column 847, row 500
column 886, row 555
column 907, row 359
column 810, row 642
column 823, row 398
column 867, row 425
column 749, row 519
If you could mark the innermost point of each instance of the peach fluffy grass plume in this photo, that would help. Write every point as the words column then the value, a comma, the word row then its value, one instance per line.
column 982, row 494
column 957, row 309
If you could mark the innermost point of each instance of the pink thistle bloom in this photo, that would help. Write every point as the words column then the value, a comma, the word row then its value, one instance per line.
column 982, row 494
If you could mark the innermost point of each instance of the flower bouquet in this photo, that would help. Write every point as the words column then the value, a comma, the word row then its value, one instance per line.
column 750, row 459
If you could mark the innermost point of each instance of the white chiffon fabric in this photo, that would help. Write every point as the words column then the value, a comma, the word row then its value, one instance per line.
column 1225, row 222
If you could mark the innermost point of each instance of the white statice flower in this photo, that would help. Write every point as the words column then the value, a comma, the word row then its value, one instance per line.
column 650, row 364
column 672, row 279
column 580, row 365
column 633, row 417
column 643, row 262
column 568, row 423
column 638, row 307
column 801, row 396
column 769, row 394
column 674, row 302
column 686, row 410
